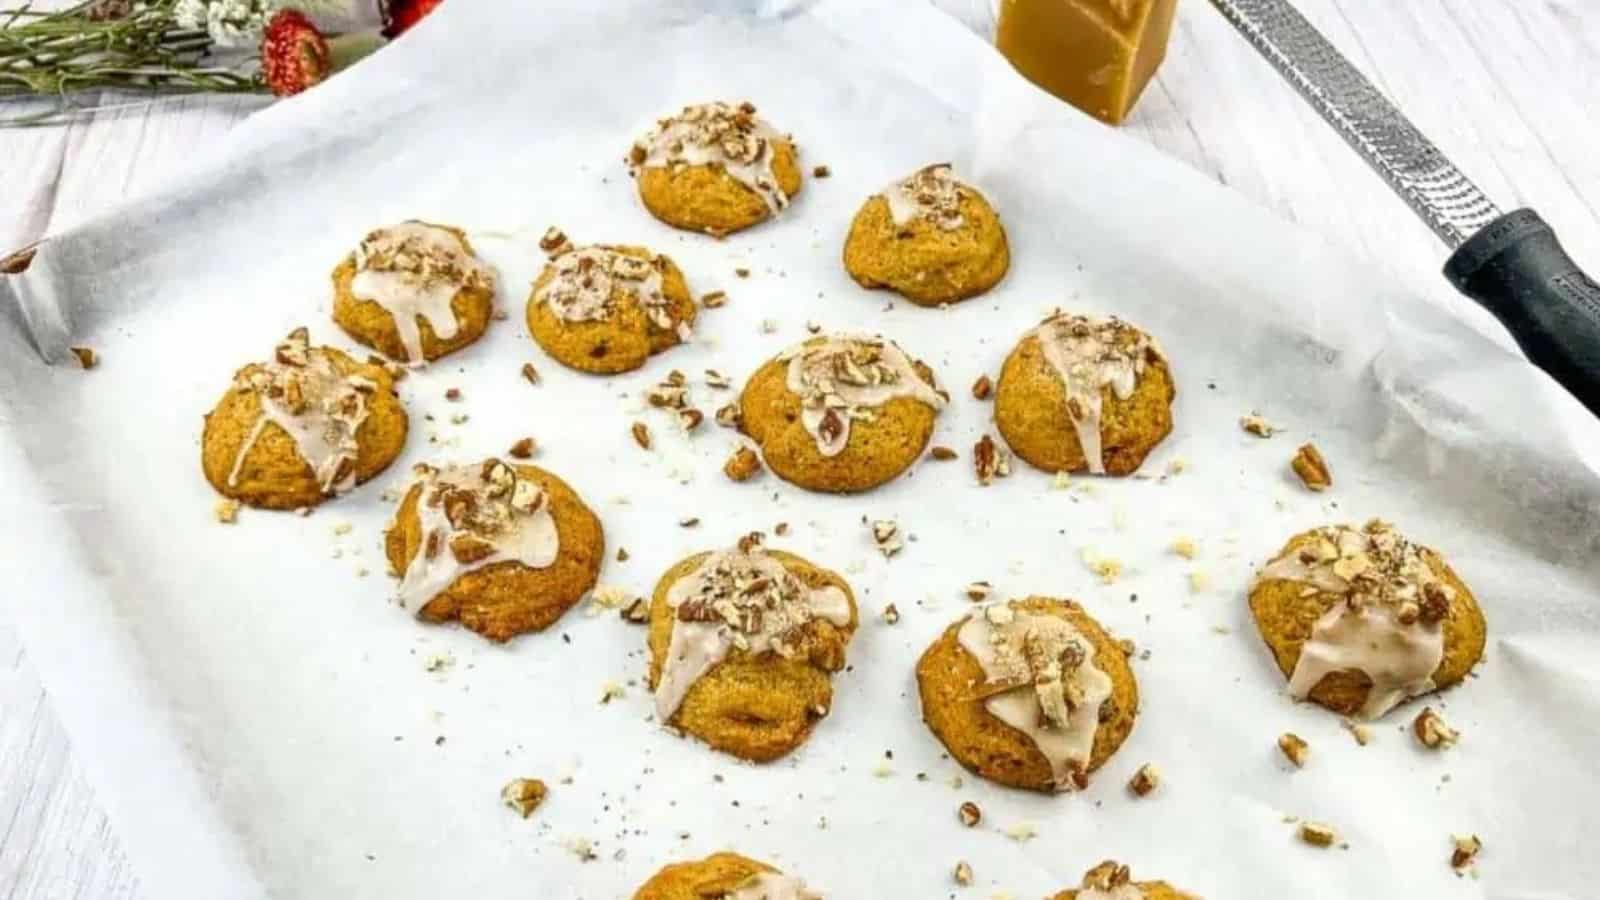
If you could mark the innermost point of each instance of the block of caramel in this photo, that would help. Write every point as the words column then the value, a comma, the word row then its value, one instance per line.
column 1095, row 54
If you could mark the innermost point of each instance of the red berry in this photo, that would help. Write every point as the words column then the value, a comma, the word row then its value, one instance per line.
column 405, row 13
column 294, row 55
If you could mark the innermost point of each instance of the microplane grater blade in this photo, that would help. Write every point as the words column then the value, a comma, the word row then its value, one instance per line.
column 1429, row 183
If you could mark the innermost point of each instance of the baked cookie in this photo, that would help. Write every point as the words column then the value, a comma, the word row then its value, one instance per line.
column 1030, row 693
column 723, row 876
column 504, row 548
column 1361, row 619
column 604, row 309
column 1111, row 881
column 310, row 424
column 715, row 168
column 414, row 292
column 1084, row 393
column 841, row 413
column 929, row 238
column 742, row 644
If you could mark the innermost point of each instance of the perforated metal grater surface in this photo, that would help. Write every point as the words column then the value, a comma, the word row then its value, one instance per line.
column 1447, row 200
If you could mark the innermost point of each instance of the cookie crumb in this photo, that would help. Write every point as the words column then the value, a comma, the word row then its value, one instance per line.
column 1432, row 732
column 979, row 591
column 610, row 691
column 1316, row 834
column 87, row 358
column 1294, row 748
column 1199, row 582
column 942, row 453
column 1256, row 425
column 742, row 272
column 1177, row 466
column 530, row 373
column 743, row 465
column 524, row 449
column 227, row 511
column 821, row 172
column 1185, row 547
column 453, row 394
column 982, row 388
column 780, row 529
column 1147, row 779
column 1360, row 732
column 1061, row 481
column 1312, row 468
column 641, row 435
column 524, row 795
column 1106, row 568
column 637, row 612
column 970, row 814
column 963, row 873
column 1022, row 831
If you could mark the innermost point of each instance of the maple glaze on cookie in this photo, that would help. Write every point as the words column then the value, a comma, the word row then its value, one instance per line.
column 928, row 237
column 1031, row 693
column 743, row 642
column 414, row 292
column 1360, row 619
column 723, row 876
column 1081, row 393
column 841, row 413
column 716, row 168
column 505, row 549
column 309, row 424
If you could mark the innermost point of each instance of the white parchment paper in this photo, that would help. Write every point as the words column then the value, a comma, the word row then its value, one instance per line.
column 259, row 719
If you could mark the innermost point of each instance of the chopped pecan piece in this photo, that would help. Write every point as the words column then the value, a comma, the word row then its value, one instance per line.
column 743, row 465
column 1432, row 732
column 1312, row 468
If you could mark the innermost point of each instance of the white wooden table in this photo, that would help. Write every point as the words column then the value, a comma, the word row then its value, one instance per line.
column 1507, row 88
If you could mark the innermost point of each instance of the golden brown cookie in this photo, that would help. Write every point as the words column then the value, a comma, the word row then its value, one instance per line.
column 841, row 414
column 930, row 238
column 310, row 424
column 414, row 292
column 604, row 309
column 723, row 876
column 715, row 168
column 1108, row 878
column 1039, row 686
column 506, row 549
column 1079, row 381
column 742, row 644
column 1360, row 619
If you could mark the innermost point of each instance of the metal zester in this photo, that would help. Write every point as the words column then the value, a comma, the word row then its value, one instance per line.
column 1510, row 263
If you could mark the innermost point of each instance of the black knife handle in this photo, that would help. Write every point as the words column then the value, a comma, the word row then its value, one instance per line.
column 1516, row 269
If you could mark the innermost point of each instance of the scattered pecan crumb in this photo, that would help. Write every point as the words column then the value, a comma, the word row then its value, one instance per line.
column 453, row 394
column 1360, row 732
column 729, row 415
column 622, row 554
column 459, row 419
column 942, row 453
column 524, row 795
column 891, row 614
column 87, row 358
column 742, row 272
column 769, row 326
column 1145, row 780
column 690, row 418
column 1431, row 730
column 1317, row 834
column 524, row 448
column 970, row 814
column 530, row 373
column 1185, row 548
column 979, row 591
column 227, row 511
column 689, row 522
column 886, row 535
column 743, row 465
column 554, row 242
column 717, row 380
column 963, row 873
column 1312, row 468
column 714, row 300
column 982, row 388
column 1022, row 831
column 990, row 461
column 610, row 691
column 438, row 662
column 1465, row 852
column 1256, row 425
column 813, row 326
column 641, row 435
column 821, row 172
column 1108, row 569
column 1199, row 582
column 637, row 612
column 1294, row 748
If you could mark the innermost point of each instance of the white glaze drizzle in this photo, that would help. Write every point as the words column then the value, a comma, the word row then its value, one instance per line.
column 303, row 392
column 772, row 886
column 415, row 269
column 1388, row 622
column 720, row 134
column 471, row 517
column 842, row 379
column 1040, row 668
column 740, row 599
column 1087, row 354
column 583, row 280
column 932, row 193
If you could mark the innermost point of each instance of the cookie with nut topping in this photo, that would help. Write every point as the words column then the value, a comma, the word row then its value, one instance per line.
column 1361, row 620
column 716, row 168
column 308, row 425
column 723, row 876
column 606, row 309
column 1030, row 693
column 1112, row 881
column 1084, row 393
column 841, row 413
column 505, row 549
column 743, row 644
column 930, row 238
column 414, row 292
